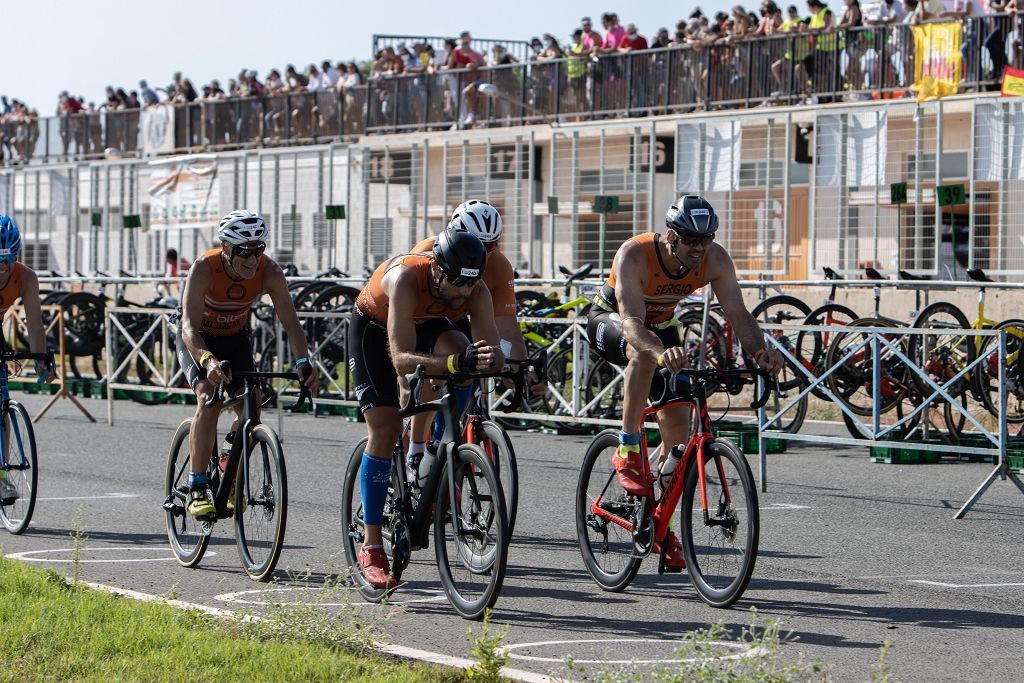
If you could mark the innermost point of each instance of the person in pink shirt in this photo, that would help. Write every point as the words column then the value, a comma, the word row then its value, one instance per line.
column 613, row 33
column 591, row 38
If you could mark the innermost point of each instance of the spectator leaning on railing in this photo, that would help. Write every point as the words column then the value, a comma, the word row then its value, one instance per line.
column 465, row 57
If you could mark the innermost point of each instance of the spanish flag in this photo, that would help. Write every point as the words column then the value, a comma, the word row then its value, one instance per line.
column 1013, row 82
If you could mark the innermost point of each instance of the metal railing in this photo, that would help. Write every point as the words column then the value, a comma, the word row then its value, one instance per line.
column 520, row 49
column 785, row 69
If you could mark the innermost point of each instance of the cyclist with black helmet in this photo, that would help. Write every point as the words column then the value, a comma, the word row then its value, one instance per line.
column 18, row 281
column 403, row 318
column 222, row 286
column 631, row 324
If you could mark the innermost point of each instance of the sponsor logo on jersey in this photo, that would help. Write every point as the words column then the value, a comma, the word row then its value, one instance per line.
column 680, row 290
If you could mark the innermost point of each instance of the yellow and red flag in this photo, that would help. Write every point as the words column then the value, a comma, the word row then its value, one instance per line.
column 1013, row 82
column 937, row 60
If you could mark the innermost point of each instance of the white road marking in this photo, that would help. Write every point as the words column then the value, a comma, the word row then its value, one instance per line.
column 747, row 651
column 964, row 585
column 238, row 597
column 105, row 496
column 784, row 506
column 29, row 555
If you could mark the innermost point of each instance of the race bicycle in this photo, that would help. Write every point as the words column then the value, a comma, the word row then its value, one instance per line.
column 719, row 521
column 251, row 486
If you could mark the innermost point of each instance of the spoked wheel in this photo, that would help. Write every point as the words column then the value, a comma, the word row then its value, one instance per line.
column 793, row 419
column 853, row 383
column 942, row 356
column 811, row 346
column 561, row 372
column 603, row 511
column 354, row 527
column 470, row 533
column 721, row 550
column 19, row 493
column 784, row 310
column 986, row 376
column 497, row 446
column 185, row 534
column 261, row 504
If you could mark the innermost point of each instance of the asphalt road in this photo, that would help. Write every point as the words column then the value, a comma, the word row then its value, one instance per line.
column 852, row 553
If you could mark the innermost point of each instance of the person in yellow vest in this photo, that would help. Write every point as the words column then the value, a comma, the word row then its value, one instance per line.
column 822, row 63
column 577, row 71
column 18, row 281
column 795, row 55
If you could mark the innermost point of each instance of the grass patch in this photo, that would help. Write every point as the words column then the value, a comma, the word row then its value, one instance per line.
column 58, row 630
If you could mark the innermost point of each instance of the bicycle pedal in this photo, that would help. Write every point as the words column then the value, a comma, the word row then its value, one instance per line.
column 205, row 526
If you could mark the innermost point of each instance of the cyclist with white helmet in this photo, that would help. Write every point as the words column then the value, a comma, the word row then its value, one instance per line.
column 18, row 281
column 480, row 218
column 222, row 286
column 403, row 318
column 631, row 324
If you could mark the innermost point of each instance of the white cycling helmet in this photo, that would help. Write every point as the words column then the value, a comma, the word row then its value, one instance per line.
column 242, row 227
column 479, row 218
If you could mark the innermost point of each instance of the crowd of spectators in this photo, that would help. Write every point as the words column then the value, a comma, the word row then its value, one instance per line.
column 19, row 130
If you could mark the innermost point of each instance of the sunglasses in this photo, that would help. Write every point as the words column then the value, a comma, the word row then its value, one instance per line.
column 691, row 241
column 460, row 281
column 245, row 252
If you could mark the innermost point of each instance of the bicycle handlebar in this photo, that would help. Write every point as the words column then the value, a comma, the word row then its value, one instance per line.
column 712, row 376
column 415, row 379
column 218, row 392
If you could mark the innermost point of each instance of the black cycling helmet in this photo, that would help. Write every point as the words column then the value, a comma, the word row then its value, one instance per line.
column 692, row 215
column 460, row 254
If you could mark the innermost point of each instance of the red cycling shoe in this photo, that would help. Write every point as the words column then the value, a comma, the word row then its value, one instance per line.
column 674, row 561
column 630, row 467
column 376, row 571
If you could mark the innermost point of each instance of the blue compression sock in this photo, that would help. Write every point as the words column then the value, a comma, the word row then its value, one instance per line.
column 374, row 476
column 462, row 398
column 629, row 439
column 198, row 479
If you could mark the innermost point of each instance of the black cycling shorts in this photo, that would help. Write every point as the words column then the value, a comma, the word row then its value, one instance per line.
column 236, row 349
column 604, row 332
column 369, row 358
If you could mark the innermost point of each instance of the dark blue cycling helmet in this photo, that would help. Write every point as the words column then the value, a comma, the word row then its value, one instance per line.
column 10, row 237
column 692, row 215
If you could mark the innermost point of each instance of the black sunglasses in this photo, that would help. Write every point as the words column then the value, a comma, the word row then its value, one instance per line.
column 692, row 241
column 459, row 281
column 246, row 252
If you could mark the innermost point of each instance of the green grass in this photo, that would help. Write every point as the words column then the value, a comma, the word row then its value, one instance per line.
column 56, row 630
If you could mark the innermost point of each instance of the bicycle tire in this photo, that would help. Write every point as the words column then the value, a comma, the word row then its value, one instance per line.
column 720, row 590
column 17, row 515
column 692, row 336
column 261, row 499
column 811, row 346
column 483, row 551
column 188, row 546
column 918, row 345
column 986, row 376
column 497, row 446
column 790, row 310
column 559, row 367
column 84, row 320
column 794, row 418
column 610, row 578
column 846, row 382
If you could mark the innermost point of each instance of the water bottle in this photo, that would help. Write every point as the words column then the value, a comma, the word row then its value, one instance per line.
column 225, row 451
column 671, row 462
column 426, row 463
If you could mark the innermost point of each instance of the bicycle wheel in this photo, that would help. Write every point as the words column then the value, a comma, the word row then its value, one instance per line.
column 606, row 545
column 261, row 504
column 811, row 346
column 188, row 542
column 23, row 469
column 720, row 552
column 783, row 310
column 604, row 390
column 471, row 538
column 561, row 372
column 793, row 419
column 986, row 376
column 941, row 356
column 83, row 323
column 853, row 383
column 353, row 526
column 497, row 446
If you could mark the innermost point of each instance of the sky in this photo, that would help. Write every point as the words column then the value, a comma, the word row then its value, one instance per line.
column 84, row 46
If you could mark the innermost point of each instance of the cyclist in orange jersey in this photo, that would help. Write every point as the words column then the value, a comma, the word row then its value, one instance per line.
column 631, row 324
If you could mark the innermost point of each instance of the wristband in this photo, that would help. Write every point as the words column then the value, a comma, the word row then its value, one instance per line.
column 451, row 363
column 299, row 361
column 757, row 354
column 205, row 357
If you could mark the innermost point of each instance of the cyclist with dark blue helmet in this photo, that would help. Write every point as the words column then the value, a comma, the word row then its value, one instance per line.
column 19, row 282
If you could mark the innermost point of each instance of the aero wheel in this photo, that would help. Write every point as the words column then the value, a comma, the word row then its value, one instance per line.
column 19, row 491
column 354, row 527
column 470, row 532
column 603, row 511
column 187, row 539
column 261, row 504
column 497, row 446
column 721, row 548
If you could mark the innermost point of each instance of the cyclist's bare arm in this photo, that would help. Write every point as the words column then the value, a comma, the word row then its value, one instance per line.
column 630, row 266
column 722, row 277
column 484, row 328
column 193, row 302
column 33, row 316
column 277, row 288
column 403, row 294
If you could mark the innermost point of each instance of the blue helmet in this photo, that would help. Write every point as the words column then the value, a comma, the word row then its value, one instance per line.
column 10, row 237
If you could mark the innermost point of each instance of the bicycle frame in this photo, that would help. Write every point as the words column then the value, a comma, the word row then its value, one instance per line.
column 5, row 399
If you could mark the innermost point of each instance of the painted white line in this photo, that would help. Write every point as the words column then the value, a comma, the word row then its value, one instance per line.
column 964, row 585
column 784, row 506
column 387, row 648
column 241, row 597
column 29, row 555
column 510, row 649
column 105, row 496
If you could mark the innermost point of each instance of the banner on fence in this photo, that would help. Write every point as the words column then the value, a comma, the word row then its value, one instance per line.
column 937, row 60
column 862, row 147
column 60, row 194
column 708, row 157
column 157, row 123
column 999, row 140
column 184, row 192
column 5, row 192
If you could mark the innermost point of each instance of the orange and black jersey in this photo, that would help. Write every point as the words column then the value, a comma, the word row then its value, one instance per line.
column 663, row 289
column 374, row 303
column 499, row 277
column 228, row 301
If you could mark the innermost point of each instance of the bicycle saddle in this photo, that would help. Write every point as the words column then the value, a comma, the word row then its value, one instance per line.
column 873, row 274
column 978, row 275
column 582, row 271
column 831, row 274
column 904, row 275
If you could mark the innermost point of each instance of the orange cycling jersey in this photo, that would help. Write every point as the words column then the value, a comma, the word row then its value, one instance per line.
column 373, row 301
column 228, row 301
column 10, row 292
column 499, row 276
column 663, row 289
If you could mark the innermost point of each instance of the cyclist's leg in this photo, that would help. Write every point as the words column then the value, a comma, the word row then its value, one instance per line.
column 441, row 337
column 203, row 433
